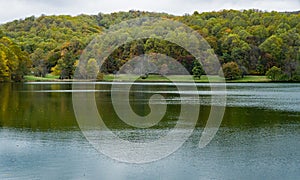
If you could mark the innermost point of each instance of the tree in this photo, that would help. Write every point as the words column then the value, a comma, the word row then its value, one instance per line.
column 296, row 74
column 15, row 60
column 197, row 70
column 244, row 71
column 272, row 49
column 66, row 66
column 4, row 70
column 254, row 39
column 231, row 70
column 39, row 63
column 92, row 68
column 274, row 73
column 164, row 69
column 1, row 34
column 70, row 52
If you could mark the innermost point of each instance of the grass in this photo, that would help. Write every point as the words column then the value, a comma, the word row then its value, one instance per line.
column 158, row 78
column 252, row 79
column 48, row 77
column 184, row 78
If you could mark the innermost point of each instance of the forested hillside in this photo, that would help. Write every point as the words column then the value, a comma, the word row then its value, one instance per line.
column 255, row 40
column 14, row 63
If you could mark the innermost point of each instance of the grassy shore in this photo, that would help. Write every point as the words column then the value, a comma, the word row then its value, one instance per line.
column 158, row 78
column 48, row 77
column 184, row 78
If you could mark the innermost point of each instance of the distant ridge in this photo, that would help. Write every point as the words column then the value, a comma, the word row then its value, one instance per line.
column 292, row 12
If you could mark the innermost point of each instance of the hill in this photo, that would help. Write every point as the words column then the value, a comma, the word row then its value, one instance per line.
column 254, row 39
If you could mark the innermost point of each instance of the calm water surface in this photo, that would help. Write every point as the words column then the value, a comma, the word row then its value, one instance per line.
column 259, row 137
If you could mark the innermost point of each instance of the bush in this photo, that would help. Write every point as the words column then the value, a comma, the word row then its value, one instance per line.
column 231, row 71
column 197, row 70
column 296, row 74
column 275, row 74
column 100, row 76
column 296, row 78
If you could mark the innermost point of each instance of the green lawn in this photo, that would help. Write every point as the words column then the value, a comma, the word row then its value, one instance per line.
column 48, row 77
column 184, row 78
column 157, row 78
column 252, row 79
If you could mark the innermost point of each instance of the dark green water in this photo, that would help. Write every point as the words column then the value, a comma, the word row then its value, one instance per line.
column 259, row 136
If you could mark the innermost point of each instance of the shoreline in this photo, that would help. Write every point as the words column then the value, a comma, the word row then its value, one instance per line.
column 157, row 78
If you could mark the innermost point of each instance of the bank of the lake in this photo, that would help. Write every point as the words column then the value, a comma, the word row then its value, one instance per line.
column 157, row 78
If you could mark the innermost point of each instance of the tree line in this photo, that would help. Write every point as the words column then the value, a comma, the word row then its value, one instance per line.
column 246, row 42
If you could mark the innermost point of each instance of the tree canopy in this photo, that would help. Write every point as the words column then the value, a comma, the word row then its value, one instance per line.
column 14, row 62
column 255, row 40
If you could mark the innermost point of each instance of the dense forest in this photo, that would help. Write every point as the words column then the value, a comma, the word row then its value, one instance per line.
column 249, row 42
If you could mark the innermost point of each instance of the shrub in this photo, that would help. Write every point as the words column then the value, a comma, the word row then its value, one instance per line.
column 197, row 70
column 275, row 74
column 100, row 76
column 231, row 71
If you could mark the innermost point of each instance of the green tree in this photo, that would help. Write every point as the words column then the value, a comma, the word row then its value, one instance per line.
column 24, row 63
column 272, row 49
column 16, row 60
column 39, row 64
column 274, row 73
column 92, row 68
column 197, row 70
column 66, row 66
column 70, row 52
column 4, row 70
column 296, row 73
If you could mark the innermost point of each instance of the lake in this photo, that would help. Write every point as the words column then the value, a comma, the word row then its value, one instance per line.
column 259, row 137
